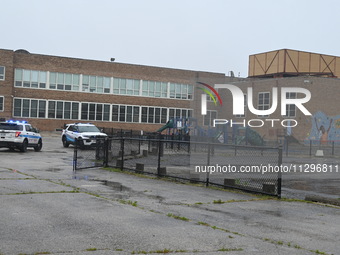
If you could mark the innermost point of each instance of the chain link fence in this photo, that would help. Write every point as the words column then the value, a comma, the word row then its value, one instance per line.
column 247, row 168
column 311, row 148
column 89, row 157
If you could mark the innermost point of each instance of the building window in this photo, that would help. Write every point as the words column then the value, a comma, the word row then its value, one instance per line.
column 63, row 110
column 97, row 112
column 154, row 89
column 29, row 108
column 181, row 91
column 35, row 108
column 209, row 118
column 264, row 102
column 1, row 103
column 96, row 84
column 176, row 113
column 125, row 113
column 2, row 73
column 64, row 81
column 245, row 108
column 290, row 108
column 126, row 86
column 30, row 78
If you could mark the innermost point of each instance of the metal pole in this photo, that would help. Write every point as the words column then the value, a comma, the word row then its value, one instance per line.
column 310, row 147
column 106, row 152
column 139, row 145
column 208, row 164
column 279, row 180
column 122, row 158
column 75, row 155
column 159, row 156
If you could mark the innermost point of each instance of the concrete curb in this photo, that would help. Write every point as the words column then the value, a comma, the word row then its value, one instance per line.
column 324, row 200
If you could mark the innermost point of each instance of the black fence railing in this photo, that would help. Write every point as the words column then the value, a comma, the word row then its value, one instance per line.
column 247, row 168
column 311, row 148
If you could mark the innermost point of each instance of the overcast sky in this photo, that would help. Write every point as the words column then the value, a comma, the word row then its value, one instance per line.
column 210, row 35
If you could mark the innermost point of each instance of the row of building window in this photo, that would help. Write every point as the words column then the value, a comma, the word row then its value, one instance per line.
column 39, row 108
column 264, row 104
column 100, row 84
column 90, row 111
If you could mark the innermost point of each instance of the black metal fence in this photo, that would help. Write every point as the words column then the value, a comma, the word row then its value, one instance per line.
column 255, row 169
column 311, row 148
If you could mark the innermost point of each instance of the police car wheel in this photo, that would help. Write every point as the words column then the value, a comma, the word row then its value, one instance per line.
column 39, row 146
column 65, row 143
column 23, row 147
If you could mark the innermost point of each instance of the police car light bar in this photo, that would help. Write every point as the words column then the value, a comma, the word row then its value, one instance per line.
column 16, row 121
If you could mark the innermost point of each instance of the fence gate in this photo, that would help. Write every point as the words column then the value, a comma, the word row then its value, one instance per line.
column 90, row 157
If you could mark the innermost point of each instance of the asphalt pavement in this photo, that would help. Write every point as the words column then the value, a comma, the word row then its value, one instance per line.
column 46, row 208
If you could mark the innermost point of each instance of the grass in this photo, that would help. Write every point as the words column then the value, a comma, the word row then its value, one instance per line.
column 318, row 252
column 128, row 202
column 91, row 249
column 165, row 251
column 219, row 201
column 177, row 217
column 202, row 223
column 230, row 249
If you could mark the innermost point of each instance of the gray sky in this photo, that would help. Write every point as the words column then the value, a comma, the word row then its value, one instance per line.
column 210, row 35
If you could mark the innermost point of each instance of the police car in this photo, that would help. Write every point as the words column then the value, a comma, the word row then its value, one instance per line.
column 86, row 134
column 19, row 135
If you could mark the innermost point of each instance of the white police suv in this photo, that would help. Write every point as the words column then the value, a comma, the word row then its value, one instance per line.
column 19, row 135
column 86, row 134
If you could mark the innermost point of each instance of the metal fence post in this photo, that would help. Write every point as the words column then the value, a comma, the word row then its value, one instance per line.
column 310, row 147
column 159, row 156
column 208, row 164
column 333, row 148
column 122, row 151
column 279, row 179
column 75, row 156
column 139, row 144
column 106, row 152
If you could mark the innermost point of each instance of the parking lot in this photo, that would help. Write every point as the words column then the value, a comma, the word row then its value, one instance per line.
column 49, row 209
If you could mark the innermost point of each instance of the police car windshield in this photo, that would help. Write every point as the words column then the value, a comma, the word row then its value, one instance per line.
column 10, row 126
column 83, row 129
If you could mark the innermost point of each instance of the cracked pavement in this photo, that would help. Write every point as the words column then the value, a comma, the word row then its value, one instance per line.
column 47, row 208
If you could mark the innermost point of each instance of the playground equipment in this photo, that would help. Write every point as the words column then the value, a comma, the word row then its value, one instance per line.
column 169, row 124
column 222, row 133
column 246, row 135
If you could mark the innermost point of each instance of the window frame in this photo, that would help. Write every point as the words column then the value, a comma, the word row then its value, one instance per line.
column 3, row 74
column 2, row 103
column 208, row 117
column 291, row 107
column 263, row 106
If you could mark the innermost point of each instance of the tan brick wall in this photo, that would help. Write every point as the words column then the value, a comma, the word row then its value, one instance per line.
column 6, row 88
column 325, row 94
